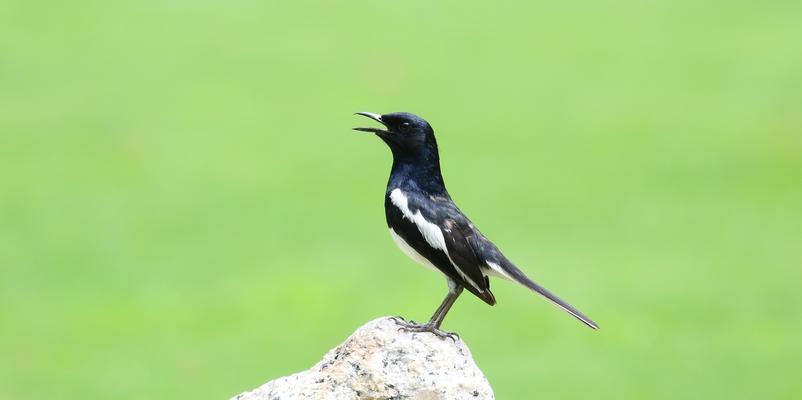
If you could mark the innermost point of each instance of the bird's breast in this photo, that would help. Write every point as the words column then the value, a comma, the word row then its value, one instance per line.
column 411, row 252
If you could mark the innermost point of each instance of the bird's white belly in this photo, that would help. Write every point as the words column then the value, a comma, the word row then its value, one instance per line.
column 409, row 251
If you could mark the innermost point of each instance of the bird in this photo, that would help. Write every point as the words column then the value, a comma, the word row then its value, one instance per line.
column 427, row 225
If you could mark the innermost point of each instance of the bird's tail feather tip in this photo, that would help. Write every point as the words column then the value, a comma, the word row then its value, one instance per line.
column 573, row 312
column 592, row 325
column 576, row 314
column 552, row 298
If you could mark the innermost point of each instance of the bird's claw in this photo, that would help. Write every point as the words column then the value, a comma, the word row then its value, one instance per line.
column 413, row 327
column 401, row 321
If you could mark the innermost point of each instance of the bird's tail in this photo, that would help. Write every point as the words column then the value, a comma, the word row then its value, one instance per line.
column 517, row 275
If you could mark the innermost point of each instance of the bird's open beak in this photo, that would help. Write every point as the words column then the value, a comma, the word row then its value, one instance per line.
column 375, row 117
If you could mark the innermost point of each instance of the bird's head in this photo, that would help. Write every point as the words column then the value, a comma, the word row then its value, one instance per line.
column 408, row 135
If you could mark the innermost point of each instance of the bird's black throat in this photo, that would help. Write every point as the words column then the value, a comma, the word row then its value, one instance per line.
column 419, row 170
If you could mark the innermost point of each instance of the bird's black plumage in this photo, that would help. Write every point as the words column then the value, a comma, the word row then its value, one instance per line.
column 459, row 262
column 430, row 228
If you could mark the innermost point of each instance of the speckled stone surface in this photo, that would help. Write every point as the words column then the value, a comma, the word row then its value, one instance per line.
column 380, row 362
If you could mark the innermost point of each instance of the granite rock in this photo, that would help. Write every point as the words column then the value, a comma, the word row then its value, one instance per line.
column 380, row 362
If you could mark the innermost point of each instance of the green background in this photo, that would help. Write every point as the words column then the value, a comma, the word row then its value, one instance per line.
column 185, row 212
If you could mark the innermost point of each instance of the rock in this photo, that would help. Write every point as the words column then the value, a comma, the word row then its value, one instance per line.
column 380, row 362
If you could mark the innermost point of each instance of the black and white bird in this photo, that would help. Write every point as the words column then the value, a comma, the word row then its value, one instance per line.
column 426, row 224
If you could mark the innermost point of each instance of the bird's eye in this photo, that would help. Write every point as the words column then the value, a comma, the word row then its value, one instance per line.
column 405, row 126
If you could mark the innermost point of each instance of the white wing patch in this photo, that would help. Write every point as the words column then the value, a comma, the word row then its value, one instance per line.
column 431, row 232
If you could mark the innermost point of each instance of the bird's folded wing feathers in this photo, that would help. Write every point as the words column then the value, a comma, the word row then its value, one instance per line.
column 463, row 255
column 445, row 228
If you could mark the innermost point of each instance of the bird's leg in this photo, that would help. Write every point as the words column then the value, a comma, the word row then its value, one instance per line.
column 440, row 314
column 434, row 323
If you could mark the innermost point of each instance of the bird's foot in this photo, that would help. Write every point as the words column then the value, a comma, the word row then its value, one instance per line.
column 411, row 326
column 400, row 321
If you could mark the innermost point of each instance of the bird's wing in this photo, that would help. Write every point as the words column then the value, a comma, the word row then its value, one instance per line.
column 458, row 234
column 434, row 227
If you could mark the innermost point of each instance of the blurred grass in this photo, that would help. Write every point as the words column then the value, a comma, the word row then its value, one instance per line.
column 185, row 213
